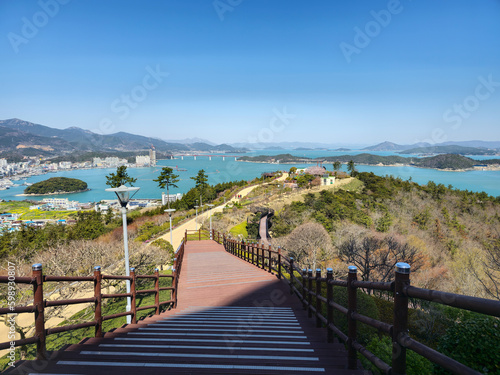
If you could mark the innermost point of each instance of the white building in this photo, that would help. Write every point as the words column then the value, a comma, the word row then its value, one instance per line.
column 142, row 160
column 172, row 197
column 57, row 201
column 327, row 180
column 152, row 156
column 65, row 165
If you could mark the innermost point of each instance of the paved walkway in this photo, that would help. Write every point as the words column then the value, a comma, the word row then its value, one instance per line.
column 231, row 318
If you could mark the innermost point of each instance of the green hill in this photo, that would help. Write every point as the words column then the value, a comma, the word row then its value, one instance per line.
column 57, row 185
column 447, row 161
column 451, row 149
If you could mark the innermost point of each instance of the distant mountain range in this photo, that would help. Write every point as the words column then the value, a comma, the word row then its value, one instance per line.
column 461, row 148
column 22, row 138
column 26, row 138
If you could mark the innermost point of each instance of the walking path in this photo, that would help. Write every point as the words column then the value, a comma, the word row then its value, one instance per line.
column 231, row 318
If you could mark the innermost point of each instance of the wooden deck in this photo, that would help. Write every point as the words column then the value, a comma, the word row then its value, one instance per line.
column 231, row 318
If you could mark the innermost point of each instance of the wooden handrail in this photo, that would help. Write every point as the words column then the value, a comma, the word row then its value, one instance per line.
column 400, row 288
column 39, row 303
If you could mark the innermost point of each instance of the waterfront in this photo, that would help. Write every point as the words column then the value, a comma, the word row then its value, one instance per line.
column 219, row 170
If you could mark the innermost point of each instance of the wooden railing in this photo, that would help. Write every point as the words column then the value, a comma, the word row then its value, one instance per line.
column 308, row 287
column 38, row 279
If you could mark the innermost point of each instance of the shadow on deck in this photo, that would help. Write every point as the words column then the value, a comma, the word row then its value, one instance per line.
column 231, row 318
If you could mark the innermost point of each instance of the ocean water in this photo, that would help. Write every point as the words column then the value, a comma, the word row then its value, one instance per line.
column 219, row 170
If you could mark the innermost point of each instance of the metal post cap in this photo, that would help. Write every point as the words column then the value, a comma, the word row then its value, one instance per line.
column 309, row 271
column 132, row 269
column 403, row 268
column 173, row 269
column 97, row 268
column 352, row 269
column 318, row 269
column 291, row 258
column 36, row 266
column 157, row 270
column 329, row 270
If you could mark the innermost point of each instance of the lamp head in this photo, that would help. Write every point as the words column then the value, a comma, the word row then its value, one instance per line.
column 124, row 194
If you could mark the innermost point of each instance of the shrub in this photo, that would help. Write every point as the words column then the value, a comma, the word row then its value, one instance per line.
column 366, row 306
column 473, row 341
column 382, row 348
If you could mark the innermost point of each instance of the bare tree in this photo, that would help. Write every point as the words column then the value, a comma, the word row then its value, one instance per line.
column 376, row 258
column 489, row 278
column 309, row 245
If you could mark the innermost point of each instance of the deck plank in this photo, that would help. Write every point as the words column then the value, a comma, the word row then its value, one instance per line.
column 231, row 318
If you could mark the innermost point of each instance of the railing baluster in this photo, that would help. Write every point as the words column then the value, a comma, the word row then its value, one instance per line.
column 318, row 293
column 98, row 301
column 402, row 280
column 351, row 323
column 157, row 291
column 270, row 259
column 134, row 294
column 253, row 254
column 174, row 285
column 309, row 292
column 304, row 295
column 279, row 263
column 263, row 256
column 38, row 302
column 329, row 298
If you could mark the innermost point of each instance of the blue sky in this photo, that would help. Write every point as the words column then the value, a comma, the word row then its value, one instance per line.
column 344, row 72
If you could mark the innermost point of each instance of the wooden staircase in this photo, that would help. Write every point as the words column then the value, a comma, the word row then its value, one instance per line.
column 232, row 318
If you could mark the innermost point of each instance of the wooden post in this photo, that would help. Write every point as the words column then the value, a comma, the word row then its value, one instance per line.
column 352, row 363
column 174, row 286
column 318, row 293
column 329, row 298
column 199, row 234
column 132, row 290
column 279, row 262
column 39, row 305
column 309, row 292
column 185, row 236
column 270, row 258
column 291, row 275
column 304, row 295
column 157, row 291
column 98, row 301
column 263, row 256
column 402, row 281
column 253, row 254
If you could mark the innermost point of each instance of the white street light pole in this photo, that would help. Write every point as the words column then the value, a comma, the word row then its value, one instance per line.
column 123, row 194
column 210, row 205
column 196, row 219
column 170, row 211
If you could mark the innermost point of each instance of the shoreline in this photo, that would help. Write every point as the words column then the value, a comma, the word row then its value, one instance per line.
column 492, row 167
column 57, row 193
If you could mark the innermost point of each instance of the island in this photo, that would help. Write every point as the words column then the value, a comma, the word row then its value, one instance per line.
column 452, row 162
column 56, row 185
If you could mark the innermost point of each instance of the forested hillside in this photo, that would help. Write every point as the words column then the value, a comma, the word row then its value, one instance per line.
column 450, row 237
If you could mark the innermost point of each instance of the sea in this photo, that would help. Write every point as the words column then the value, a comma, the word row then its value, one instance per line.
column 223, row 169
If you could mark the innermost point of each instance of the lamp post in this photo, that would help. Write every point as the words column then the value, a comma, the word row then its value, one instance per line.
column 210, row 205
column 124, row 194
column 170, row 211
column 196, row 219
